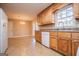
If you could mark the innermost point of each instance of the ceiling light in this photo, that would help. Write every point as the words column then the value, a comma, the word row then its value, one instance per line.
column 22, row 22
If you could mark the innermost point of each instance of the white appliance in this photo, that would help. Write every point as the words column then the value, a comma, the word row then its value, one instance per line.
column 3, row 31
column 45, row 38
column 78, row 51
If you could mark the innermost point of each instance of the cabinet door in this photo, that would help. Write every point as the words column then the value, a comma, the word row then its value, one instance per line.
column 38, row 36
column 76, row 10
column 53, row 43
column 64, row 46
column 40, row 18
column 75, row 45
column 46, row 17
column 49, row 16
column 53, row 40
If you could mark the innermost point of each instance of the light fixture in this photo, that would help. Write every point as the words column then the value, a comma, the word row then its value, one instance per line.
column 22, row 22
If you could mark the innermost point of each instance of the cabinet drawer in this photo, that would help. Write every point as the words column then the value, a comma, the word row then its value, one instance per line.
column 53, row 37
column 64, row 34
column 75, row 35
column 53, row 33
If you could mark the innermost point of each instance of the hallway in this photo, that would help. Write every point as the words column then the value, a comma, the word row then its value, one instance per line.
column 26, row 46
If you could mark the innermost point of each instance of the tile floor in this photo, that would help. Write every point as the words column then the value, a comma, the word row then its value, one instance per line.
column 26, row 46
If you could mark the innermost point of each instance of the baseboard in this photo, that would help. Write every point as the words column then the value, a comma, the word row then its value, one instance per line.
column 21, row 36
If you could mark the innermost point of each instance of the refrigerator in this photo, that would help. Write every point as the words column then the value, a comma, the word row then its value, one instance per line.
column 3, row 31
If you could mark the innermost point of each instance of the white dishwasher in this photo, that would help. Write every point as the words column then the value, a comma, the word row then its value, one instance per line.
column 45, row 38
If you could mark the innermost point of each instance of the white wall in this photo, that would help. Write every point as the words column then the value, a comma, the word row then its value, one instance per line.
column 19, row 28
column 10, row 28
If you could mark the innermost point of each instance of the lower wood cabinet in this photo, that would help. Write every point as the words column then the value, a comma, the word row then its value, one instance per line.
column 38, row 36
column 53, row 43
column 75, row 45
column 66, row 43
column 64, row 46
column 53, row 40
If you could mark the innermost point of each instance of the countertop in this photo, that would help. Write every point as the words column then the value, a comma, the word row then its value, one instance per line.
column 61, row 30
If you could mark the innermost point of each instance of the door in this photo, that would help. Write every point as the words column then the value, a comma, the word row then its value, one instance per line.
column 45, row 38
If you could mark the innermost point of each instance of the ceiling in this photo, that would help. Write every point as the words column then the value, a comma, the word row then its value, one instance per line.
column 23, row 11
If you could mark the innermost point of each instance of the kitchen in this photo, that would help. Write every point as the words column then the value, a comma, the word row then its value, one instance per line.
column 39, row 29
column 58, row 28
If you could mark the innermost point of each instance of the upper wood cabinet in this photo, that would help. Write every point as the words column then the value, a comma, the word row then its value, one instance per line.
column 76, row 10
column 46, row 17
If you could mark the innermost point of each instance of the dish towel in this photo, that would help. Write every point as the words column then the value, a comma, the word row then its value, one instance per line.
column 78, row 51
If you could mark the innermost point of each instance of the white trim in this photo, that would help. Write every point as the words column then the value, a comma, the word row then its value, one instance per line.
column 20, row 36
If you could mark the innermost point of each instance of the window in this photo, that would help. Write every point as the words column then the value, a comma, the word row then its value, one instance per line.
column 64, row 17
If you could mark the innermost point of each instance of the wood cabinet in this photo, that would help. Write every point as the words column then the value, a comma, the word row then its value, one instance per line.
column 38, row 36
column 53, row 40
column 45, row 17
column 76, row 10
column 64, row 46
column 75, row 43
column 64, row 43
column 40, row 19
column 48, row 16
